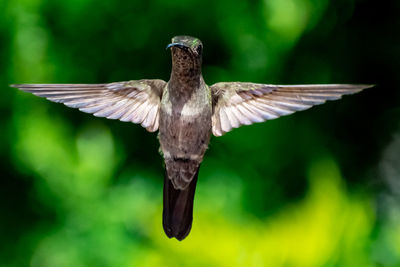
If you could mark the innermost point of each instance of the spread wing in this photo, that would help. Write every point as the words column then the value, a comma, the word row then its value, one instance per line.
column 132, row 101
column 237, row 103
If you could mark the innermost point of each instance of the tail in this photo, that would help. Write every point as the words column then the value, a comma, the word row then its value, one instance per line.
column 178, row 208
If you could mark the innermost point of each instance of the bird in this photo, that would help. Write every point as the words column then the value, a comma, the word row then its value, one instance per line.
column 186, row 112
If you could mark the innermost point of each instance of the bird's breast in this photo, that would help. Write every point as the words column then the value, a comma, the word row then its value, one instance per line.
column 185, row 127
column 187, row 106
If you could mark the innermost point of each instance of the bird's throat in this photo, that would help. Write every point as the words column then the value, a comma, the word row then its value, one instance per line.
column 184, row 82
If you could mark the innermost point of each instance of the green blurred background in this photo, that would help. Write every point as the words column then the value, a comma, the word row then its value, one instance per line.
column 317, row 188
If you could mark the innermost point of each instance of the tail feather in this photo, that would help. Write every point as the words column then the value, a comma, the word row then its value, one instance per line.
column 178, row 208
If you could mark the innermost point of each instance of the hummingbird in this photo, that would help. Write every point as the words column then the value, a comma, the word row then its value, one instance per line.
column 186, row 112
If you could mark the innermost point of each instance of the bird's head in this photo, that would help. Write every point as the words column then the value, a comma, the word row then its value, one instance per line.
column 188, row 44
column 186, row 52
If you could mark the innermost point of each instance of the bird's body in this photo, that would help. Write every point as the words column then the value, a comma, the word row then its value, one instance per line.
column 186, row 111
column 184, row 134
column 185, row 119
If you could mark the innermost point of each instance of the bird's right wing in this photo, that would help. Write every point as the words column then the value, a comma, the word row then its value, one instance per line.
column 241, row 103
column 132, row 101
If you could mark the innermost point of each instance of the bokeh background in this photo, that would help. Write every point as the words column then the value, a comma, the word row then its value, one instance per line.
column 317, row 188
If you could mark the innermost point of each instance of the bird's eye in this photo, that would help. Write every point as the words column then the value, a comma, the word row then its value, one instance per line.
column 199, row 49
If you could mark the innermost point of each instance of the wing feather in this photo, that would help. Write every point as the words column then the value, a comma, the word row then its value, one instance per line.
column 135, row 101
column 237, row 103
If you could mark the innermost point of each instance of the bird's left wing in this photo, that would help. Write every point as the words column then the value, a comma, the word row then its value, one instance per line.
column 132, row 101
column 240, row 103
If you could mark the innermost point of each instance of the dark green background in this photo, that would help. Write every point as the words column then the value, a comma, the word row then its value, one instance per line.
column 317, row 188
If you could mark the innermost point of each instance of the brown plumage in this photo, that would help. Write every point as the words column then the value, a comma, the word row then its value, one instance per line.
column 186, row 112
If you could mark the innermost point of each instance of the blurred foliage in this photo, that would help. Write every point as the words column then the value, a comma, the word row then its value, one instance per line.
column 318, row 188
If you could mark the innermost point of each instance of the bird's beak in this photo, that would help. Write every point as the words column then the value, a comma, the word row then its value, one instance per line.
column 179, row 45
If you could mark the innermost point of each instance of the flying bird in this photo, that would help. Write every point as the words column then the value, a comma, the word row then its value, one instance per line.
column 186, row 111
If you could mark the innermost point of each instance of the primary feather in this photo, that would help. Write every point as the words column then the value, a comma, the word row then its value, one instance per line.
column 132, row 101
column 239, row 103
